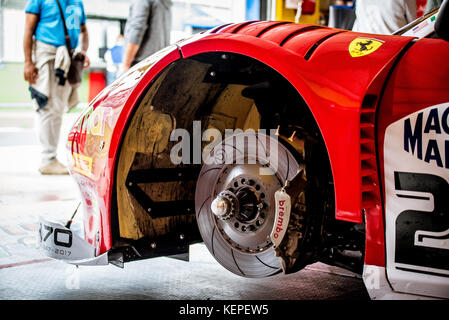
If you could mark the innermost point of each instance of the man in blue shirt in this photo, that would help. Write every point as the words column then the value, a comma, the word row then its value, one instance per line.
column 46, row 58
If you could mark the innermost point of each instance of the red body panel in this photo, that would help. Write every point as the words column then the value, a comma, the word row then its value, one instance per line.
column 259, row 28
column 278, row 34
column 316, row 61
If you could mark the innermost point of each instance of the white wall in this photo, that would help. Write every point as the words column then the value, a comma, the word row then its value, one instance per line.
column 13, row 29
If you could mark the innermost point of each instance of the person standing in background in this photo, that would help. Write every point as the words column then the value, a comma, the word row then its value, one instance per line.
column 47, row 61
column 383, row 16
column 147, row 30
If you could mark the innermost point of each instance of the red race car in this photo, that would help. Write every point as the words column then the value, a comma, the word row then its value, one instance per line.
column 277, row 145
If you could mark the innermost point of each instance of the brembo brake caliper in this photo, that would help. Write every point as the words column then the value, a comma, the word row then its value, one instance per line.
column 289, row 227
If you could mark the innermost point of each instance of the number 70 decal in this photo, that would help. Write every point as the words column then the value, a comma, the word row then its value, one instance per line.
column 61, row 237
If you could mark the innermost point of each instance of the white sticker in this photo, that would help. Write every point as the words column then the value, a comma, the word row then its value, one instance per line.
column 416, row 155
column 59, row 242
column 423, row 29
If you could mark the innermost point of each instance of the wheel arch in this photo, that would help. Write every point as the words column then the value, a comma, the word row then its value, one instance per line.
column 328, row 114
column 149, row 82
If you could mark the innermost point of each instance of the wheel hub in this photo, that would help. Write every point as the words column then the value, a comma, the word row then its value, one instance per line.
column 245, row 205
column 242, row 207
column 249, row 204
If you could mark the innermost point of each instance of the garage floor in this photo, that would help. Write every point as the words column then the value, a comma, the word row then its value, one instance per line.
column 26, row 274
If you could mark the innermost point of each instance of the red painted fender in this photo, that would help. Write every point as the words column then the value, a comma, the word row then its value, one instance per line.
column 94, row 142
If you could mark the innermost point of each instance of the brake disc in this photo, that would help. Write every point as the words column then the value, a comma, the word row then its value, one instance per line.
column 235, row 203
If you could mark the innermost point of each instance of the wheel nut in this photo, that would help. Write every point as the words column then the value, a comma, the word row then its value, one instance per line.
column 224, row 205
column 221, row 207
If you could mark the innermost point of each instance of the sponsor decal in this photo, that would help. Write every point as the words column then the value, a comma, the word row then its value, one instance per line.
column 426, row 136
column 416, row 166
column 360, row 47
column 420, row 26
column 59, row 242
column 282, row 218
column 423, row 29
column 82, row 164
column 97, row 121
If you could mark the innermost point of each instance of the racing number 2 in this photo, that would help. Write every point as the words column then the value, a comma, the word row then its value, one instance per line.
column 422, row 238
column 59, row 241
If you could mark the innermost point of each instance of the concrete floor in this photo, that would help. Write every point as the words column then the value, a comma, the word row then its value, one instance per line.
column 26, row 274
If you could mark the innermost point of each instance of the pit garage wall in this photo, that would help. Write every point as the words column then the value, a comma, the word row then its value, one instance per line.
column 282, row 13
column 286, row 14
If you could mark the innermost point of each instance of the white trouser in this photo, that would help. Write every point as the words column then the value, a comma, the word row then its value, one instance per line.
column 49, row 118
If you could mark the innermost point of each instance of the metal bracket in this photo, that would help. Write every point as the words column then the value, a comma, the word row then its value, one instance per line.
column 173, row 245
column 159, row 209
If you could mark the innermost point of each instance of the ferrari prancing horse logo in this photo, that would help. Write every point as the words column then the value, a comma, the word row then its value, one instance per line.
column 360, row 47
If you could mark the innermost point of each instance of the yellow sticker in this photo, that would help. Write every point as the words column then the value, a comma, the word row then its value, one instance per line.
column 95, row 124
column 97, row 121
column 82, row 164
column 360, row 47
